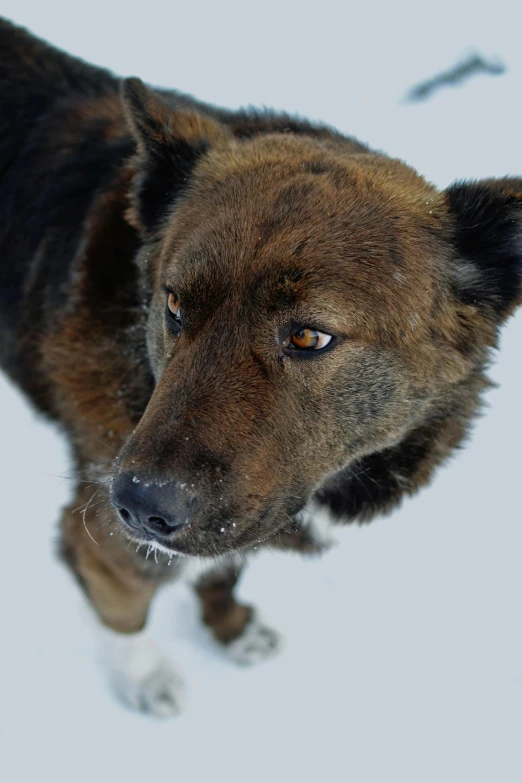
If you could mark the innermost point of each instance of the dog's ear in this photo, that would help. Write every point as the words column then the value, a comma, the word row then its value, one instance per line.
column 487, row 235
column 169, row 143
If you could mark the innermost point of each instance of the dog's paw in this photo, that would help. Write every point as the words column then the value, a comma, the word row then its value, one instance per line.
column 157, row 693
column 257, row 643
column 140, row 675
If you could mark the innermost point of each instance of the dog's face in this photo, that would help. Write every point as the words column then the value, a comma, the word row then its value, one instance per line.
column 304, row 311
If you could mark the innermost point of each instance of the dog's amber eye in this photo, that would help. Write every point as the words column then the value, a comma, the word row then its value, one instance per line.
column 173, row 313
column 173, row 305
column 310, row 340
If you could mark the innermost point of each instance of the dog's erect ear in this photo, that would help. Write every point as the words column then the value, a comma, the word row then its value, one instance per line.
column 169, row 142
column 487, row 222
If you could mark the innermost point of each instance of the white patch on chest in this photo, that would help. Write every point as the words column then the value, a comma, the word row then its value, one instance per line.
column 317, row 521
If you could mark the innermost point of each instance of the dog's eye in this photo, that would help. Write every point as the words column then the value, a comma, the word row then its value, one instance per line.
column 173, row 312
column 309, row 340
column 173, row 305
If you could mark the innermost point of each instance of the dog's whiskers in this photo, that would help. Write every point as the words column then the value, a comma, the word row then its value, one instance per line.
column 84, row 520
column 89, row 482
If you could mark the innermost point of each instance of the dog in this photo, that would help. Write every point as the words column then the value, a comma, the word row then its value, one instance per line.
column 241, row 321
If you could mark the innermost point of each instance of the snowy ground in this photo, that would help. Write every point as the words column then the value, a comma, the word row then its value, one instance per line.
column 404, row 645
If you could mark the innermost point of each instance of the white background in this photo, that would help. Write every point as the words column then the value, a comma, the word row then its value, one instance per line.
column 404, row 646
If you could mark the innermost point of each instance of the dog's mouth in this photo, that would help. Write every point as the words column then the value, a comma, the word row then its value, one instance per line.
column 199, row 542
column 156, row 546
column 153, row 544
column 174, row 530
column 170, row 517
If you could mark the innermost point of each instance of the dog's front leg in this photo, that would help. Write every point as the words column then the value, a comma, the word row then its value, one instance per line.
column 235, row 626
column 120, row 585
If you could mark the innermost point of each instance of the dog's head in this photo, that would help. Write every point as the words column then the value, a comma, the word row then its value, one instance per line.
column 308, row 304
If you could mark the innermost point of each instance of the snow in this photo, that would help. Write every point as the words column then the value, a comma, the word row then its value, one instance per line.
column 403, row 655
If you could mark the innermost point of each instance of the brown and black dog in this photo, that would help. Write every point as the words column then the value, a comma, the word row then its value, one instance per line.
column 239, row 319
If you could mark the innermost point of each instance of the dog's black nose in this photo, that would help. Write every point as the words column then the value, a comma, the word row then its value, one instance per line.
column 157, row 508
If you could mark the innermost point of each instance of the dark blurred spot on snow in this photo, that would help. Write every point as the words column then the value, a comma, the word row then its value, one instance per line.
column 473, row 65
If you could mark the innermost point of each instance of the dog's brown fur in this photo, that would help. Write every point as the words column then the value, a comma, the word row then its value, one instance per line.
column 260, row 224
